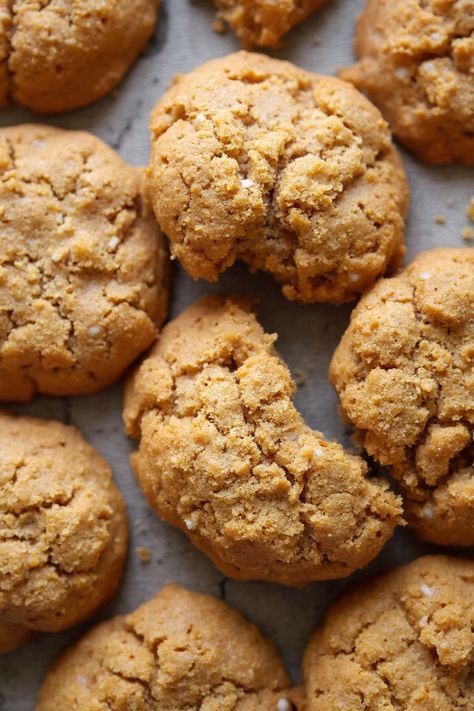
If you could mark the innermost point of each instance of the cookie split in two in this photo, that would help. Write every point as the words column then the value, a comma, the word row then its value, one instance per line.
column 178, row 651
column 63, row 529
column 416, row 63
column 225, row 456
column 293, row 173
column 404, row 372
column 83, row 267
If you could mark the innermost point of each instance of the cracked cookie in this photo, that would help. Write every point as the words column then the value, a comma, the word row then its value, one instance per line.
column 264, row 22
column 417, row 65
column 401, row 641
column 63, row 529
column 178, row 651
column 83, row 268
column 291, row 172
column 57, row 56
column 225, row 456
column 404, row 373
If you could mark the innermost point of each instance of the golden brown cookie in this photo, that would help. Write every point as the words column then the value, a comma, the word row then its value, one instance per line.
column 225, row 456
column 401, row 642
column 416, row 63
column 58, row 55
column 264, row 22
column 404, row 372
column 63, row 529
column 83, row 268
column 292, row 172
column 179, row 651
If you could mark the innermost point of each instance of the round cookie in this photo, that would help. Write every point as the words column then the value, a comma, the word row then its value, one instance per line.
column 225, row 456
column 179, row 651
column 404, row 375
column 83, row 268
column 402, row 641
column 264, row 22
column 417, row 65
column 63, row 529
column 58, row 56
column 292, row 172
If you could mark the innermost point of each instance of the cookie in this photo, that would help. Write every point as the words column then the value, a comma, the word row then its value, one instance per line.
column 58, row 56
column 404, row 374
column 225, row 456
column 179, row 651
column 264, row 22
column 416, row 63
column 83, row 269
column 294, row 173
column 402, row 641
column 63, row 529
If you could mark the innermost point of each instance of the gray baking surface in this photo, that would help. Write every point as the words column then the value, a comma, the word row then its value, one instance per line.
column 307, row 338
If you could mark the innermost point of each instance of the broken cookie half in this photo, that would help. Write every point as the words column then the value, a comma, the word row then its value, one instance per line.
column 225, row 456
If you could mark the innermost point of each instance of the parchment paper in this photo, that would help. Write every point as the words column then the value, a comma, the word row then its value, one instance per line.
column 307, row 338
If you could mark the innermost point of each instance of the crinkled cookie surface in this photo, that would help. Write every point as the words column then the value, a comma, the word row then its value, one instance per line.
column 404, row 372
column 83, row 268
column 179, row 652
column 402, row 641
column 225, row 456
column 63, row 529
column 59, row 55
column 294, row 173
column 264, row 22
column 417, row 65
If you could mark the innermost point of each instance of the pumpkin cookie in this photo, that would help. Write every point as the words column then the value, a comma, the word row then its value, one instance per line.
column 292, row 172
column 225, row 456
column 83, row 267
column 63, row 529
column 402, row 641
column 417, row 65
column 404, row 374
column 179, row 651
column 57, row 56
column 264, row 22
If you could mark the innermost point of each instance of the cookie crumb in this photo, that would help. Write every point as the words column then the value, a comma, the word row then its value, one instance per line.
column 426, row 590
column 440, row 220
column 219, row 26
column 451, row 203
column 470, row 209
column 144, row 554
column 467, row 233
column 299, row 378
